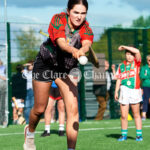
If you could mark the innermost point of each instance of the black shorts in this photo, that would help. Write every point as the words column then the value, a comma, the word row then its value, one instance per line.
column 55, row 94
column 46, row 72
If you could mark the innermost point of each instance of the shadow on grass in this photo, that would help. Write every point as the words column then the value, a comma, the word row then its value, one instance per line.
column 116, row 136
column 54, row 131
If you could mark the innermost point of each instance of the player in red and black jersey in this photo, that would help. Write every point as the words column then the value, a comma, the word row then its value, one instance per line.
column 69, row 38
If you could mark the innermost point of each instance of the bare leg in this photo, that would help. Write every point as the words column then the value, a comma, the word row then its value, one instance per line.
column 124, row 116
column 47, row 114
column 15, row 116
column 41, row 94
column 144, row 114
column 21, row 110
column 53, row 112
column 69, row 93
column 61, row 111
column 137, row 117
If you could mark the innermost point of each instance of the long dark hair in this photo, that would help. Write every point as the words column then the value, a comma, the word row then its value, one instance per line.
column 71, row 4
column 127, row 51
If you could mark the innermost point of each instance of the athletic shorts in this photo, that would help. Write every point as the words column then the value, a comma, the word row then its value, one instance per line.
column 130, row 96
column 19, row 103
column 46, row 72
column 55, row 94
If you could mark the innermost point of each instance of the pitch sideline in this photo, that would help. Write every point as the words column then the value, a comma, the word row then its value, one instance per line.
column 88, row 129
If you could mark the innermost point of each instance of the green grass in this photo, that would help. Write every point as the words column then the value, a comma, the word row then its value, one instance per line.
column 93, row 135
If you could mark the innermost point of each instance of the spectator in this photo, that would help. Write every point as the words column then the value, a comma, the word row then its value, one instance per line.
column 29, row 100
column 145, row 76
column 18, row 91
column 2, row 91
column 2, row 72
column 103, row 94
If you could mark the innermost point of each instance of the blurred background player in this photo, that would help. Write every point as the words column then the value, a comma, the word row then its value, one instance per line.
column 54, row 95
column 2, row 72
column 145, row 76
column 29, row 100
column 103, row 94
column 128, row 81
column 2, row 90
column 19, row 85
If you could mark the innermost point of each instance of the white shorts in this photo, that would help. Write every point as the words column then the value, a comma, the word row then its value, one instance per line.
column 19, row 103
column 130, row 96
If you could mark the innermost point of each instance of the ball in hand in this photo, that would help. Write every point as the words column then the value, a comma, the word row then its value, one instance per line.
column 83, row 60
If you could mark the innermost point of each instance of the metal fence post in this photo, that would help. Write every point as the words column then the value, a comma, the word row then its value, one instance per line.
column 145, row 42
column 82, row 95
column 136, row 38
column 109, row 47
column 9, row 73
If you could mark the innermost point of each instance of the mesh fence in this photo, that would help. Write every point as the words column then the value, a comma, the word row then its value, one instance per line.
column 3, row 81
column 25, row 41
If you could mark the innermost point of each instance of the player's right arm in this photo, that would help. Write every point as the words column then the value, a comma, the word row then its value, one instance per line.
column 117, row 89
column 61, row 42
column 57, row 33
column 118, row 83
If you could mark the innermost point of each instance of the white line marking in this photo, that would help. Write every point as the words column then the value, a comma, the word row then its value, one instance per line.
column 89, row 129
column 98, row 122
column 92, row 129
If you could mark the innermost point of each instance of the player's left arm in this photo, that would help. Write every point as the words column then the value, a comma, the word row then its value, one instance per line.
column 131, row 49
column 87, row 36
column 85, row 46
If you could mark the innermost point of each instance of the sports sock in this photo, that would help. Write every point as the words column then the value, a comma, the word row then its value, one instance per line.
column 124, row 132
column 70, row 149
column 138, row 132
column 30, row 134
column 61, row 127
column 47, row 128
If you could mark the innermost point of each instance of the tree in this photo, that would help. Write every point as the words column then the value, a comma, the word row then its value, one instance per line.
column 141, row 22
column 28, row 44
column 119, row 36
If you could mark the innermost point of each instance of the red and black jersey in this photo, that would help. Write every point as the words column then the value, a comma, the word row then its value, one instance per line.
column 59, row 28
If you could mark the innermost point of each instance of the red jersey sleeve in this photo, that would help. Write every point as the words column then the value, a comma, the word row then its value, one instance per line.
column 86, row 33
column 137, row 63
column 56, row 28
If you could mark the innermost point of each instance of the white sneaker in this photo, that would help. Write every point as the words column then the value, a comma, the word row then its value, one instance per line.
column 29, row 142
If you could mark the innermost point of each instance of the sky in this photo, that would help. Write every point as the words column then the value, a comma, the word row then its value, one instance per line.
column 101, row 13
column 105, row 13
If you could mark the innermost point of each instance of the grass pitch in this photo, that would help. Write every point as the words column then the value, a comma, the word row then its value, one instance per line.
column 93, row 135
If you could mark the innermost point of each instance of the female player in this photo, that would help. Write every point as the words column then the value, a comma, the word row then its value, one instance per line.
column 128, row 82
column 69, row 38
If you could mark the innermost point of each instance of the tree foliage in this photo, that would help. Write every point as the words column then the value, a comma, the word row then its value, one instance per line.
column 141, row 22
column 123, row 36
column 118, row 37
column 28, row 44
